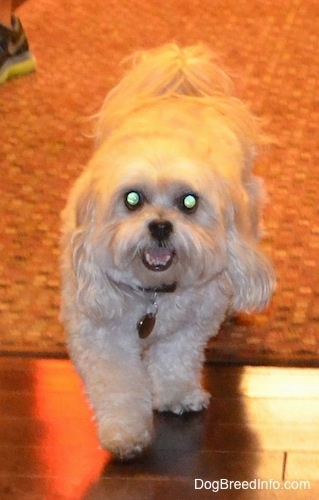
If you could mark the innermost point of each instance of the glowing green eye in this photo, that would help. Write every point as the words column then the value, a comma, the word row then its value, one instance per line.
column 133, row 199
column 190, row 201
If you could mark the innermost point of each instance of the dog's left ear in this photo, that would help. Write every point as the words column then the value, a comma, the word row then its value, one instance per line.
column 249, row 271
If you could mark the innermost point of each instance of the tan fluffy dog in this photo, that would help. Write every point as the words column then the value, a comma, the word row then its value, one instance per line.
column 160, row 241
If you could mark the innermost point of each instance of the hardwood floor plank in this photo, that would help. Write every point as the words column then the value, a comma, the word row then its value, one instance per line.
column 24, row 404
column 231, row 437
column 26, row 488
column 282, row 411
column 302, row 466
column 61, row 461
column 262, row 382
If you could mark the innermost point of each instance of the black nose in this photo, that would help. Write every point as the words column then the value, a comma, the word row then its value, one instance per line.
column 160, row 230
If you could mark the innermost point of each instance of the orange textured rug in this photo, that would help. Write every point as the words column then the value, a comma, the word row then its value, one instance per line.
column 272, row 50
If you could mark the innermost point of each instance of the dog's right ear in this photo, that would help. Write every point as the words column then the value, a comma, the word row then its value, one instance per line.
column 85, row 211
column 82, row 204
column 78, row 247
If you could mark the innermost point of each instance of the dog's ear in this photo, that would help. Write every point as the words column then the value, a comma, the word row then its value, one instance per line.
column 85, row 209
column 78, row 263
column 81, row 239
column 249, row 271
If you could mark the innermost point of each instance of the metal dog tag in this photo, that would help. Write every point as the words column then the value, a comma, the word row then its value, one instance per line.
column 145, row 325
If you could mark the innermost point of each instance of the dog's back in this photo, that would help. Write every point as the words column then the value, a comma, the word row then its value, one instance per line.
column 171, row 73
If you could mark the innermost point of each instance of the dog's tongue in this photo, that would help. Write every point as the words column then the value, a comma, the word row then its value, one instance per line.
column 158, row 259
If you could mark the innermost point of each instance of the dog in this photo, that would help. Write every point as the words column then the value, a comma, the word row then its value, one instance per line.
column 160, row 241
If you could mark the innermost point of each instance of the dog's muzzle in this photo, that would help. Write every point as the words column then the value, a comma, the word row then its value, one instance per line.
column 160, row 255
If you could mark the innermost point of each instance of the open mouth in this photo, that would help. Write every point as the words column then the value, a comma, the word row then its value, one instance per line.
column 158, row 259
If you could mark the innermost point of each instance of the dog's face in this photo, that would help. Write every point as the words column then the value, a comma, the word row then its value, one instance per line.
column 159, row 216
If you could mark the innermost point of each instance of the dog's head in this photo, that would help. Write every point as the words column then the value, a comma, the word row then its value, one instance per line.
column 159, row 211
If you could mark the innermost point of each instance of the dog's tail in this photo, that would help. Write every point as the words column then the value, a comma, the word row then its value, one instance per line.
column 172, row 70
column 168, row 71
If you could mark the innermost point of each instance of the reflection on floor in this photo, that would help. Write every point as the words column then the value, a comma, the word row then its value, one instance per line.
column 262, row 425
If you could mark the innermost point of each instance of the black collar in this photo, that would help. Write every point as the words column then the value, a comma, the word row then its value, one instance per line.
column 160, row 289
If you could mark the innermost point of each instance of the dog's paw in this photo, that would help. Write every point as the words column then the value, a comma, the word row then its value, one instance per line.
column 196, row 400
column 125, row 441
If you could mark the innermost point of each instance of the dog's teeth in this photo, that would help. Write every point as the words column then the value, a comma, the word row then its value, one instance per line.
column 153, row 261
column 159, row 258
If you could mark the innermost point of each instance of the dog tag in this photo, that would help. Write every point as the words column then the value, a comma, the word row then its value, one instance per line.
column 145, row 325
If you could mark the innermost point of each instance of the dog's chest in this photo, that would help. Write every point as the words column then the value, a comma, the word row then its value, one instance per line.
column 167, row 314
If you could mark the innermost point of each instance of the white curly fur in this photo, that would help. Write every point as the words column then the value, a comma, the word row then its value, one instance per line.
column 171, row 127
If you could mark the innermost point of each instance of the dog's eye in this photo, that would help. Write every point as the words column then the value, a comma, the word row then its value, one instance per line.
column 133, row 200
column 188, row 203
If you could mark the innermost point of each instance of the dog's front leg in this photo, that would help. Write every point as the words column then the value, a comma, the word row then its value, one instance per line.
column 117, row 387
column 175, row 367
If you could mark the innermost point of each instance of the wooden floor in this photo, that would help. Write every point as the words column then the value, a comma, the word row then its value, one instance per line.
column 262, row 424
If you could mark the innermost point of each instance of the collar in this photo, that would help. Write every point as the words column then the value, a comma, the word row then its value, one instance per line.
column 160, row 289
